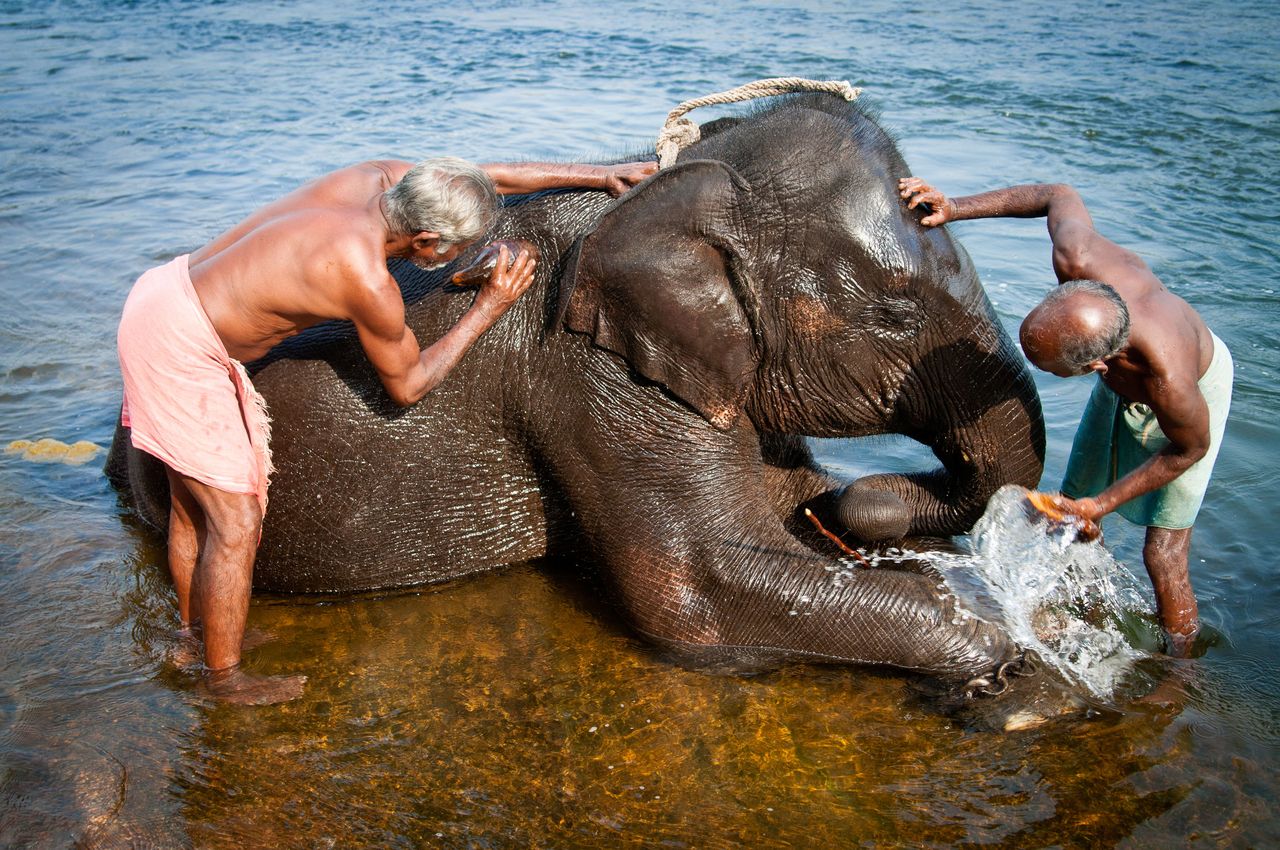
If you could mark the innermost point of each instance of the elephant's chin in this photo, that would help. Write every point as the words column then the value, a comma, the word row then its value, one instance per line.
column 874, row 515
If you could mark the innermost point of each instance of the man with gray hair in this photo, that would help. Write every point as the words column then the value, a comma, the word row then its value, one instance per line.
column 319, row 253
column 1151, row 430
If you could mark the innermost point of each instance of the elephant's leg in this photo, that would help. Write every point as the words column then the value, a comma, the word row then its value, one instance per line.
column 772, row 599
column 716, row 572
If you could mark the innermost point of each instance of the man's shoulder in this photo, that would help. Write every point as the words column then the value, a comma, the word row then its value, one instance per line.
column 352, row 184
column 388, row 171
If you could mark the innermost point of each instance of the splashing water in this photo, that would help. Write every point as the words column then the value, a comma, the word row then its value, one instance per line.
column 1054, row 594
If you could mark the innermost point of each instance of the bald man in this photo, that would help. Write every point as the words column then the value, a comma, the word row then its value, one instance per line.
column 1150, row 433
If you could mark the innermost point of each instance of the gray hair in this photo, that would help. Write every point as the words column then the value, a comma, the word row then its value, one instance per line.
column 1080, row 348
column 446, row 195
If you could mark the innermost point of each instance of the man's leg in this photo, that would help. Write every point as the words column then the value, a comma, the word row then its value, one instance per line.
column 186, row 539
column 220, row 587
column 186, row 536
column 1165, row 555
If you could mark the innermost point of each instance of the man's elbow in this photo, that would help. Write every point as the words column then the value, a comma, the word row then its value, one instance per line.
column 1190, row 455
column 1071, row 262
column 1197, row 454
column 404, row 395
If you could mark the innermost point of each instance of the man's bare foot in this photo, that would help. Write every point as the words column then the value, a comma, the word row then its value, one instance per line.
column 1179, row 645
column 236, row 686
column 188, row 648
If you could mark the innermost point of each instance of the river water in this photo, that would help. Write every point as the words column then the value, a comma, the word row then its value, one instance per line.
column 514, row 710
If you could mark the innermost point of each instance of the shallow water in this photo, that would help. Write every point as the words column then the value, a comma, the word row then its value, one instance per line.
column 514, row 710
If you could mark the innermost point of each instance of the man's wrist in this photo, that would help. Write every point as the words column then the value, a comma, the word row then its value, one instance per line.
column 488, row 310
column 596, row 176
column 1104, row 504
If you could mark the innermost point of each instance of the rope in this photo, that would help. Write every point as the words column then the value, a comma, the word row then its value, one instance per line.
column 679, row 132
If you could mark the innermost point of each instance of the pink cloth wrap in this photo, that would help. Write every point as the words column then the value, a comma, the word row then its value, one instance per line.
column 185, row 400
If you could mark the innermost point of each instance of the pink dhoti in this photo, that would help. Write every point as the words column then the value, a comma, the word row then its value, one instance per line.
column 185, row 400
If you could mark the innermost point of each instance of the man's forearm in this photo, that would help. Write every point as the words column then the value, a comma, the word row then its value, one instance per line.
column 1027, row 201
column 519, row 178
column 440, row 358
column 437, row 360
column 1156, row 472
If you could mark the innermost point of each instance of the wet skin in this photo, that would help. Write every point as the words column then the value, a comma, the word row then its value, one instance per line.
column 1169, row 349
column 643, row 409
column 320, row 253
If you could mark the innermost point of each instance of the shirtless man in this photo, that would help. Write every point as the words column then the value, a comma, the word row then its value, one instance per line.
column 1151, row 431
column 319, row 253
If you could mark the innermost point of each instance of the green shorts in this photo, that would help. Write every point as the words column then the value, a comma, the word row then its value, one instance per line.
column 1115, row 437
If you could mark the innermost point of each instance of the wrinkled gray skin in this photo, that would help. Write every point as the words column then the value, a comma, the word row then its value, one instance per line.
column 642, row 408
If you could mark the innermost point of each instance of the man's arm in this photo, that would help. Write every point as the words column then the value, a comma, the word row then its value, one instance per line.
column 1079, row 251
column 519, row 178
column 407, row 372
column 1183, row 415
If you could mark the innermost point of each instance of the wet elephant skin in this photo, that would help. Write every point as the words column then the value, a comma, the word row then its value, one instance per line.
column 643, row 408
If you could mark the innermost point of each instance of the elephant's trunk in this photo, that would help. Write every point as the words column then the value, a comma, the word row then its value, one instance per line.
column 983, row 422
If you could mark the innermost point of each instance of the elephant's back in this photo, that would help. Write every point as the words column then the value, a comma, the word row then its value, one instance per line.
column 367, row 496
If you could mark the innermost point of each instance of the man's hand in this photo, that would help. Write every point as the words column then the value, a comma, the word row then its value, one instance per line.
column 1086, row 511
column 1081, row 513
column 915, row 191
column 626, row 175
column 507, row 283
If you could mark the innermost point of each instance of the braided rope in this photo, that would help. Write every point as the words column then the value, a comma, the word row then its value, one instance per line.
column 679, row 132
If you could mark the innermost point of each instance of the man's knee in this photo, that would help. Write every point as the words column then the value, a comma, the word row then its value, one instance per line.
column 238, row 525
column 1167, row 544
column 232, row 519
column 182, row 503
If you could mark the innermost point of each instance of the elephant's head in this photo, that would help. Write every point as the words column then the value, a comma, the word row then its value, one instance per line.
column 773, row 273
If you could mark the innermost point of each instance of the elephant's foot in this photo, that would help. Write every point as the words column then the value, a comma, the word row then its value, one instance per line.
column 1016, row 695
column 872, row 514
column 233, row 685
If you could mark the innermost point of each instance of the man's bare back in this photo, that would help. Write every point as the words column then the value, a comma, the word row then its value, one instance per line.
column 294, row 263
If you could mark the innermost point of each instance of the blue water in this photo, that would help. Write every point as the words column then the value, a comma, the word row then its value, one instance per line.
column 133, row 131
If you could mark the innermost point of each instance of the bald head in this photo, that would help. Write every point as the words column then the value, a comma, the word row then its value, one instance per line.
column 1077, row 324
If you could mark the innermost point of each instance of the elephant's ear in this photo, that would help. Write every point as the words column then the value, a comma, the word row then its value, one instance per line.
column 651, row 283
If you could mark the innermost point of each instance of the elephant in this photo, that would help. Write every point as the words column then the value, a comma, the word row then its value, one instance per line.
column 643, row 409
